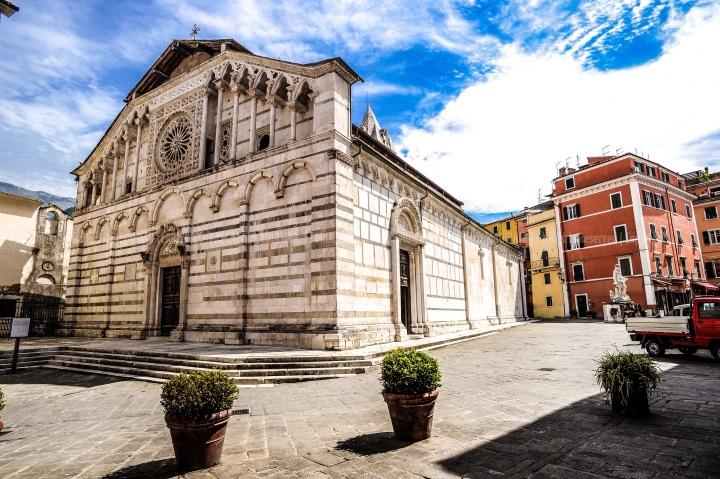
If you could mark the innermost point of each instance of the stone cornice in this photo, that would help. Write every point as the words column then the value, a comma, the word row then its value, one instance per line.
column 624, row 180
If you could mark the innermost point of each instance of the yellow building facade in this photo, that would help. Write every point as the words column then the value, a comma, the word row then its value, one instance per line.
column 505, row 229
column 546, row 280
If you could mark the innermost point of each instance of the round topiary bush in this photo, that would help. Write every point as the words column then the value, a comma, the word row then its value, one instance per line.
column 407, row 371
column 199, row 394
column 627, row 379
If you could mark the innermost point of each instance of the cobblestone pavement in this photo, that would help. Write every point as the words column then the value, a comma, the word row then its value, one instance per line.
column 519, row 403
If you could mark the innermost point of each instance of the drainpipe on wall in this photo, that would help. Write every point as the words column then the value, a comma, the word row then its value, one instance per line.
column 523, row 293
column 497, row 305
column 465, row 275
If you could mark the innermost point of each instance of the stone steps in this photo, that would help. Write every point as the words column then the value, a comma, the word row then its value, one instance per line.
column 249, row 370
column 27, row 359
column 254, row 369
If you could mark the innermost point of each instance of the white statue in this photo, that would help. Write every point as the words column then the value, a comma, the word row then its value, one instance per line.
column 620, row 293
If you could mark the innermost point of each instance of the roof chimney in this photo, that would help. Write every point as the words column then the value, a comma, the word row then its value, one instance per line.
column 223, row 46
column 706, row 170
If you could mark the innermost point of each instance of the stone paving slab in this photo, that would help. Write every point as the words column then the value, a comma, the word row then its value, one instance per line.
column 517, row 404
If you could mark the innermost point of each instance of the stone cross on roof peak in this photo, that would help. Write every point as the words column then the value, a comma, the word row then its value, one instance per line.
column 372, row 127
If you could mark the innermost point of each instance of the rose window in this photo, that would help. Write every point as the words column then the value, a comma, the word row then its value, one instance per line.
column 175, row 143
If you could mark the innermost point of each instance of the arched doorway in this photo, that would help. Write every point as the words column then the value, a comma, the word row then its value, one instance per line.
column 167, row 265
column 407, row 270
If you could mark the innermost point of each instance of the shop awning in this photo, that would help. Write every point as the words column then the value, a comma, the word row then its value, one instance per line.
column 707, row 286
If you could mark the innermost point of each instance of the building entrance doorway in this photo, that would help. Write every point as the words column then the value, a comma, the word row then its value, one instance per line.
column 405, row 306
column 170, row 300
column 581, row 302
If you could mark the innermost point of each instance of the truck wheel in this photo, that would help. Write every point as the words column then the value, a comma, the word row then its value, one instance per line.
column 655, row 348
column 687, row 351
column 715, row 350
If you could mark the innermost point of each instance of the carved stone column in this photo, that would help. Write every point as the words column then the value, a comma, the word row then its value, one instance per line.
column 103, row 186
column 295, row 108
column 235, row 89
column 139, row 122
column 420, row 287
column 253, row 94
column 113, row 187
column 203, row 127
column 273, row 108
column 221, row 86
column 94, row 190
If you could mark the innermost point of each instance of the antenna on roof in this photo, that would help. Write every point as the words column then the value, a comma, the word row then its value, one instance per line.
column 195, row 31
column 556, row 167
column 603, row 149
column 539, row 196
column 577, row 157
column 567, row 164
column 617, row 152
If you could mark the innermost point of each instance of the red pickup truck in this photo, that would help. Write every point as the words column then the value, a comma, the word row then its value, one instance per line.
column 688, row 333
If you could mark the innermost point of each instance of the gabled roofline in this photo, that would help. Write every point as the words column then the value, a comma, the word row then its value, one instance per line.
column 23, row 197
column 393, row 158
column 171, row 57
column 354, row 77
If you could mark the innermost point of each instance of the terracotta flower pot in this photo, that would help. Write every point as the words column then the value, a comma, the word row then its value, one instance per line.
column 1, row 426
column 637, row 405
column 198, row 444
column 411, row 414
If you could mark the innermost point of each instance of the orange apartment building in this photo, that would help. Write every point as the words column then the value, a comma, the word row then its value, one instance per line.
column 707, row 218
column 629, row 211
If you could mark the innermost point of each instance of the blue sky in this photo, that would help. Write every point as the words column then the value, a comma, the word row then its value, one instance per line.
column 486, row 96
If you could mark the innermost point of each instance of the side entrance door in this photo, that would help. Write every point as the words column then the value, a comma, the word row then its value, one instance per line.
column 405, row 289
column 170, row 312
column 582, row 305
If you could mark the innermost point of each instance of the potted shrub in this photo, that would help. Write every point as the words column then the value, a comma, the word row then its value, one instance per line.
column 573, row 313
column 2, row 406
column 410, row 381
column 627, row 379
column 591, row 314
column 197, row 410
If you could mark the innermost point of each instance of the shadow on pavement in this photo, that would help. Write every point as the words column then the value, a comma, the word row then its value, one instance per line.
column 586, row 439
column 369, row 444
column 158, row 469
column 58, row 378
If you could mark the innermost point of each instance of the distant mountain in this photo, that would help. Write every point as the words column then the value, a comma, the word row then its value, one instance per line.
column 60, row 201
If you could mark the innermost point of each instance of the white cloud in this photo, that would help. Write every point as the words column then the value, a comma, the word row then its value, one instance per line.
column 497, row 143
column 372, row 25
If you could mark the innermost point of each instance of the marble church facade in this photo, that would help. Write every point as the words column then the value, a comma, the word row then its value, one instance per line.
column 232, row 201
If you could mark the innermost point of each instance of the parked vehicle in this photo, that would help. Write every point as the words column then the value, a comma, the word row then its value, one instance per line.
column 699, row 329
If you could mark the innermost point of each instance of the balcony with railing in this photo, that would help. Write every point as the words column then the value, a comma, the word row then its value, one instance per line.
column 545, row 263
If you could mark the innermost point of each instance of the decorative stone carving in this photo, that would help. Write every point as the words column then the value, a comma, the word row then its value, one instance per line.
column 225, row 141
column 405, row 223
column 166, row 160
column 337, row 154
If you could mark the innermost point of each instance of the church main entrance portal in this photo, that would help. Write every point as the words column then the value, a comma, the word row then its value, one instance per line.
column 405, row 308
column 170, row 309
